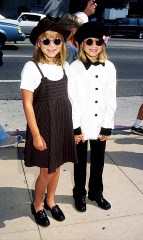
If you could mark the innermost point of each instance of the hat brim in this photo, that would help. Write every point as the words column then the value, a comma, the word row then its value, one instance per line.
column 90, row 29
column 47, row 26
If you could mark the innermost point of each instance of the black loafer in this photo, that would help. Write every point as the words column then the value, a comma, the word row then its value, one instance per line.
column 80, row 204
column 56, row 212
column 101, row 202
column 40, row 217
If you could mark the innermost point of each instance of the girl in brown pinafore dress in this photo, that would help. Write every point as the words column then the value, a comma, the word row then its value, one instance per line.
column 49, row 136
column 53, row 115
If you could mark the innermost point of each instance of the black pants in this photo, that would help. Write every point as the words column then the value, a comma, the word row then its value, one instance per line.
column 97, row 153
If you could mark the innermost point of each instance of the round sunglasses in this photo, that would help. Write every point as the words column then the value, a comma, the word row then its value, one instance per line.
column 56, row 41
column 90, row 41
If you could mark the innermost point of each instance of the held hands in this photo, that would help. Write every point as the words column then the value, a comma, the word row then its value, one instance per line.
column 102, row 138
column 79, row 138
column 39, row 143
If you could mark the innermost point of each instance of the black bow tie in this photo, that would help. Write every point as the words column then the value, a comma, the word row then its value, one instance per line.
column 88, row 64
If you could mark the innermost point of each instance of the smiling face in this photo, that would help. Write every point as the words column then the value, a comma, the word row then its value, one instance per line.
column 92, row 48
column 53, row 47
column 91, row 7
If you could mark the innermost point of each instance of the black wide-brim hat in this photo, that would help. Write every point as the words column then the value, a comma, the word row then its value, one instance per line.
column 90, row 29
column 46, row 25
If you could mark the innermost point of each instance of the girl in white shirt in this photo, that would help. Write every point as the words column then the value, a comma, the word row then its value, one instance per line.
column 49, row 134
column 92, row 91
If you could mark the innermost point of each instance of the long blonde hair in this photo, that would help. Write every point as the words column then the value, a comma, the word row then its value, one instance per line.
column 60, row 58
column 101, row 57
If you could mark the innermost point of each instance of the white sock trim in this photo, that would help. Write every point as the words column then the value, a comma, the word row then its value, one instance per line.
column 138, row 123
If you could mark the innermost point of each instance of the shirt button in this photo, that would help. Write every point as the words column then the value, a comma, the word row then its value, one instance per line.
column 96, row 101
column 96, row 76
column 96, row 88
column 96, row 115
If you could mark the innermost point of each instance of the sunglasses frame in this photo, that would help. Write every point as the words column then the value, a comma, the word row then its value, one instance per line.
column 47, row 41
column 92, row 41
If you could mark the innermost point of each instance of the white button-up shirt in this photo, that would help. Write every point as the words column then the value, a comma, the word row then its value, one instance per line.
column 92, row 94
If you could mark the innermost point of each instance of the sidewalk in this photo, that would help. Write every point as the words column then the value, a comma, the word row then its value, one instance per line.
column 123, row 187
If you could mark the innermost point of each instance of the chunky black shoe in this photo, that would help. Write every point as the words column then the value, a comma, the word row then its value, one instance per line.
column 40, row 217
column 101, row 202
column 56, row 212
column 138, row 130
column 80, row 204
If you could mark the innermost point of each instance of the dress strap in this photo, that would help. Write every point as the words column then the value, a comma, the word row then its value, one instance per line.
column 39, row 69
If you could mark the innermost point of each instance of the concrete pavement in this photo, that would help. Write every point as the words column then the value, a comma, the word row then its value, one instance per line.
column 123, row 186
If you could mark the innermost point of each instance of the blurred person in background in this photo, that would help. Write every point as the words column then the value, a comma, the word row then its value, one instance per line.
column 72, row 24
column 5, row 139
column 83, row 9
column 137, row 128
column 8, row 141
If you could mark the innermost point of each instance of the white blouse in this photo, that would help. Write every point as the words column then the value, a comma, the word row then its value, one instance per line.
column 92, row 94
column 31, row 77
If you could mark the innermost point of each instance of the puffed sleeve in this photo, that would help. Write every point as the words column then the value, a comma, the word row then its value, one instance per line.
column 29, row 77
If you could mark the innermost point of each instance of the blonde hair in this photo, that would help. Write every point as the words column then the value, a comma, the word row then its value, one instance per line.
column 70, row 21
column 102, row 56
column 39, row 56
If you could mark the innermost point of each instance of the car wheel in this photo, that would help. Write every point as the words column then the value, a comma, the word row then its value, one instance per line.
column 2, row 40
column 140, row 35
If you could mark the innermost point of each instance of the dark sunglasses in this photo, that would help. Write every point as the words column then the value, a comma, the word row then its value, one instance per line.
column 89, row 42
column 56, row 41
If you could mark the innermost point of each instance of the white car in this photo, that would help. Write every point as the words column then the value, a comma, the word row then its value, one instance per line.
column 27, row 21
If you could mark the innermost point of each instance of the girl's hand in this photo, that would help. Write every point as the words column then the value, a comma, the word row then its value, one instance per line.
column 78, row 138
column 103, row 138
column 39, row 143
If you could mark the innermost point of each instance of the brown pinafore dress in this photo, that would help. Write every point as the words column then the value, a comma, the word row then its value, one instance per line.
column 53, row 114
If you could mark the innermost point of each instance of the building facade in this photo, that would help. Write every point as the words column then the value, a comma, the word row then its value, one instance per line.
column 56, row 8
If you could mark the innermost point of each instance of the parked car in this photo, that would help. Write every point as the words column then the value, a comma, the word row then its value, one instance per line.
column 126, row 27
column 10, row 32
column 27, row 21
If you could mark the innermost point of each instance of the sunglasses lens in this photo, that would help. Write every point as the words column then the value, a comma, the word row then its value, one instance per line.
column 89, row 42
column 46, row 41
column 99, row 42
column 57, row 41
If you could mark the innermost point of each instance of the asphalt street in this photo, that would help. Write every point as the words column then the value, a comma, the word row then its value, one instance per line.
column 126, row 54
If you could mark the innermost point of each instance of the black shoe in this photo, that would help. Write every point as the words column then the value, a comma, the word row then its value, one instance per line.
column 40, row 217
column 101, row 202
column 80, row 204
column 56, row 212
column 138, row 130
